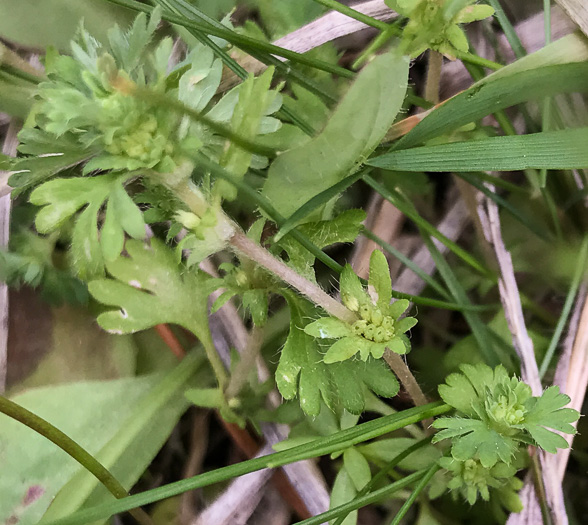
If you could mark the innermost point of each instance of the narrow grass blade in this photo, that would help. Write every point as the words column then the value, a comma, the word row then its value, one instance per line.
column 490, row 95
column 567, row 308
column 526, row 221
column 556, row 150
column 479, row 329
column 426, row 226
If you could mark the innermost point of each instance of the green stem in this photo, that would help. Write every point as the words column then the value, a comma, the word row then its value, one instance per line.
column 418, row 489
column 70, row 447
column 242, row 41
column 352, row 13
column 363, row 501
column 242, row 244
column 323, row 446
column 433, row 76
column 379, row 477
column 470, row 58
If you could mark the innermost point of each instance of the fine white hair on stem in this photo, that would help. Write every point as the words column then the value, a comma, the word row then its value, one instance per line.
column 513, row 311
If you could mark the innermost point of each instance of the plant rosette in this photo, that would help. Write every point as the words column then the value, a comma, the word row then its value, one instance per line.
column 378, row 325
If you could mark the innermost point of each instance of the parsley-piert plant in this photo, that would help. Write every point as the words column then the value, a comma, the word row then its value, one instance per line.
column 127, row 146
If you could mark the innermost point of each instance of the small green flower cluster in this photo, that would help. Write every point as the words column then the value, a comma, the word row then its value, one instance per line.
column 434, row 24
column 142, row 137
column 470, row 478
column 379, row 326
column 497, row 418
column 374, row 325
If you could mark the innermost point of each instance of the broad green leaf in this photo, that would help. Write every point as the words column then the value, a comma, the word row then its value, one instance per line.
column 148, row 288
column 357, row 467
column 54, row 22
column 555, row 150
column 357, row 126
column 318, row 447
column 34, row 469
column 134, row 445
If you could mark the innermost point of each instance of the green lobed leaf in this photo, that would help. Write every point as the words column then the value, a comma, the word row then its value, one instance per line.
column 343, row 228
column 473, row 438
column 148, row 288
column 546, row 411
column 349, row 136
column 302, row 370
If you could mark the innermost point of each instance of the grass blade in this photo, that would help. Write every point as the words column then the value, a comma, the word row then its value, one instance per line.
column 557, row 150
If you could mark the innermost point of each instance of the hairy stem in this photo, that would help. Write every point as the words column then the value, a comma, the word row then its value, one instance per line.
column 70, row 447
column 248, row 359
column 409, row 382
column 433, row 76
column 241, row 243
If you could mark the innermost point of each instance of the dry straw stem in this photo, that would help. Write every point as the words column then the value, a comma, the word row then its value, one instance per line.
column 513, row 311
column 325, row 29
column 8, row 148
column 577, row 10
column 572, row 370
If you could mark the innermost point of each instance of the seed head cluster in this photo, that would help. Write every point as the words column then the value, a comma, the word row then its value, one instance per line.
column 374, row 325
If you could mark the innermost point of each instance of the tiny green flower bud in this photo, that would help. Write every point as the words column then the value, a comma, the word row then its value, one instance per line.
column 241, row 278
column 188, row 219
column 359, row 327
column 365, row 312
column 379, row 335
column 369, row 332
column 351, row 302
column 377, row 316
